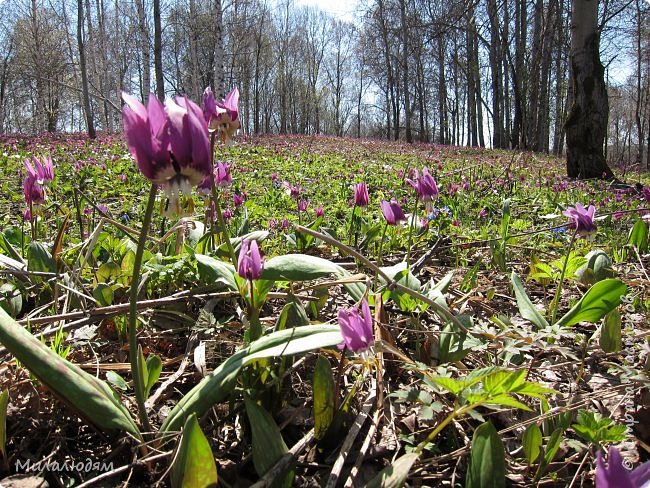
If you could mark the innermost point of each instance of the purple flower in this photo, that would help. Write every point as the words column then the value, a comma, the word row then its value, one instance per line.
column 583, row 218
column 285, row 224
column 392, row 212
column 41, row 170
column 169, row 142
column 33, row 192
column 103, row 209
column 293, row 191
column 273, row 223
column 361, row 194
column 482, row 213
column 320, row 212
column 238, row 199
column 615, row 475
column 646, row 194
column 302, row 205
column 226, row 214
column 425, row 186
column 357, row 330
column 222, row 116
column 249, row 264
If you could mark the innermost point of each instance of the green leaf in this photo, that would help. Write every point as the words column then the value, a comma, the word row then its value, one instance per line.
column 505, row 219
column 639, row 236
column 592, row 427
column 268, row 445
column 216, row 386
column 302, row 267
column 324, row 400
column 526, row 307
column 532, row 443
column 552, row 446
column 116, row 380
column 104, row 294
column 487, row 464
column 4, row 402
column 599, row 300
column 11, row 300
column 88, row 396
column 39, row 259
column 194, row 463
column 610, row 332
column 154, row 368
column 394, row 476
column 108, row 271
column 212, row 271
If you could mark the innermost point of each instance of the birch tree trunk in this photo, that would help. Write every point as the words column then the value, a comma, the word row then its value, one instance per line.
column 586, row 124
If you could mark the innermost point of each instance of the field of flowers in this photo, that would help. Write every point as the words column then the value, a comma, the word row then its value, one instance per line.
column 316, row 311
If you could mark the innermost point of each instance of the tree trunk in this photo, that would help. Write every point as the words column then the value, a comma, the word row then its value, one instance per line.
column 157, row 51
column 586, row 124
column 219, row 77
column 405, row 73
column 90, row 126
column 144, row 49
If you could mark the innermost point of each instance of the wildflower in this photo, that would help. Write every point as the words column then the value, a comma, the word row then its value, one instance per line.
column 615, row 475
column 273, row 223
column 357, row 330
column 123, row 178
column 302, row 205
column 583, row 218
column 249, row 264
column 169, row 143
column 285, row 224
column 222, row 116
column 33, row 192
column 41, row 170
column 238, row 199
column 320, row 212
column 361, row 194
column 226, row 214
column 292, row 191
column 392, row 212
column 103, row 209
column 646, row 194
column 425, row 186
column 482, row 213
column 27, row 214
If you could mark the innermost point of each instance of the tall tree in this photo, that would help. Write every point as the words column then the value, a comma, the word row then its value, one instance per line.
column 90, row 125
column 586, row 124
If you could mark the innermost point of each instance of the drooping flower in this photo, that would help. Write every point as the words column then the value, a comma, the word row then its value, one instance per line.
column 392, row 212
column 357, row 330
column 583, row 218
column 41, row 171
column 615, row 475
column 319, row 211
column 425, row 186
column 33, row 192
column 222, row 116
column 249, row 264
column 361, row 197
column 169, row 143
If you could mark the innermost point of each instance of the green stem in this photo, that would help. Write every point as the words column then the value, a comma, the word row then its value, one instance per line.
column 133, row 311
column 254, row 315
column 381, row 243
column 221, row 224
column 354, row 207
column 556, row 299
column 410, row 241
column 434, row 433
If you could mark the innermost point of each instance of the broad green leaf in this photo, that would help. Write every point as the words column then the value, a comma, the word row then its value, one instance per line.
column 39, row 259
column 324, row 400
column 596, row 429
column 88, row 396
column 394, row 476
column 293, row 314
column 599, row 300
column 302, row 267
column 552, row 446
column 639, row 236
column 501, row 399
column 532, row 443
column 454, row 345
column 610, row 332
column 505, row 219
column 104, row 294
column 218, row 385
column 526, row 307
column 268, row 445
column 449, row 384
column 11, row 299
column 108, row 272
column 4, row 402
column 487, row 464
column 212, row 271
column 194, row 463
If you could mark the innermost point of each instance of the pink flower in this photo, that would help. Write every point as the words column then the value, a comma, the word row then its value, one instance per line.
column 249, row 264
column 285, row 224
column 273, row 223
column 425, row 186
column 169, row 142
column 392, row 212
column 123, row 178
column 41, row 170
column 302, row 205
column 33, row 192
column 361, row 197
column 583, row 218
column 238, row 199
column 357, row 330
column 222, row 116
column 320, row 212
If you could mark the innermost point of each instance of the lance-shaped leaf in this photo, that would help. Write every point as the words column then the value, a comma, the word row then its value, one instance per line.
column 487, row 464
column 324, row 397
column 395, row 475
column 526, row 307
column 599, row 300
column 268, row 445
column 302, row 267
column 215, row 387
column 194, row 463
column 88, row 396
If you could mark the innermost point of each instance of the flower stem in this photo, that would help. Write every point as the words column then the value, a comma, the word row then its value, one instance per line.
column 221, row 224
column 381, row 243
column 133, row 311
column 410, row 241
column 558, row 291
column 352, row 215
